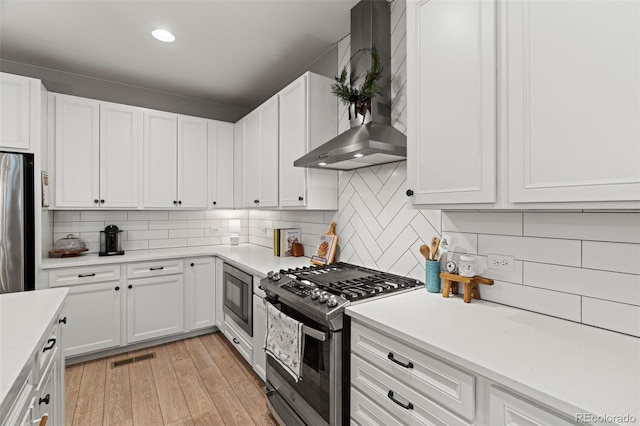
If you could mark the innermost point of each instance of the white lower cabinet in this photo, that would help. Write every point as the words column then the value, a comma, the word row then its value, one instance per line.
column 240, row 340
column 394, row 383
column 259, row 333
column 200, row 288
column 219, row 294
column 155, row 307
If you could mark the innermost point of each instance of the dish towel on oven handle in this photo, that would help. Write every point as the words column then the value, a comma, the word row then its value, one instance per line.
column 284, row 341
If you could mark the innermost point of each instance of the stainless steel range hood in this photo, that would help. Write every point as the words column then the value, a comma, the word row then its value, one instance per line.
column 376, row 142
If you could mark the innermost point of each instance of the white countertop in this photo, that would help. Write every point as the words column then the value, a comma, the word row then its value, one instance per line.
column 255, row 259
column 24, row 318
column 572, row 367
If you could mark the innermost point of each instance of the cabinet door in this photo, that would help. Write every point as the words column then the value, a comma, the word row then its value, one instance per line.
column 155, row 307
column 49, row 394
column 160, row 165
column 120, row 143
column 14, row 111
column 573, row 101
column 506, row 409
column 293, row 143
column 221, row 165
column 219, row 294
column 269, row 154
column 192, row 162
column 251, row 160
column 77, row 152
column 93, row 318
column 451, row 102
column 201, row 292
column 259, row 333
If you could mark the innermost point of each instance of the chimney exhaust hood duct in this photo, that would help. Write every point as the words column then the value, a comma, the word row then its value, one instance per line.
column 376, row 142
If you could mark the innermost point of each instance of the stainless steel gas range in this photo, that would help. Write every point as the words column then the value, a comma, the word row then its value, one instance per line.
column 317, row 296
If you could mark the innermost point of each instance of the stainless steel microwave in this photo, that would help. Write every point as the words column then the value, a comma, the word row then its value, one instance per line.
column 237, row 294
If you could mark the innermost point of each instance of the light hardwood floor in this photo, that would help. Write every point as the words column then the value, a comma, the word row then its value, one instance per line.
column 197, row 381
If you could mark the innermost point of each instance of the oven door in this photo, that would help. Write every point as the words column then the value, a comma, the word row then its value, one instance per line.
column 237, row 294
column 316, row 398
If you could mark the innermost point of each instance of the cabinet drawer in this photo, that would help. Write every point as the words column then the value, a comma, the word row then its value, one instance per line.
column 85, row 275
column 22, row 405
column 444, row 383
column 154, row 269
column 366, row 412
column 506, row 409
column 47, row 350
column 243, row 346
column 404, row 403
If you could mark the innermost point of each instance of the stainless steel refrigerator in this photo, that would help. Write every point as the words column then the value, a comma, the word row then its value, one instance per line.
column 17, row 238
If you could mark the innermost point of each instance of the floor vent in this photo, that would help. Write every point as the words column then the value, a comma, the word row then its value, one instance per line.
column 132, row 360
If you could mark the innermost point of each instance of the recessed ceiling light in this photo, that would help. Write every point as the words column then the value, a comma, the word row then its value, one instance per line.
column 358, row 155
column 322, row 164
column 163, row 35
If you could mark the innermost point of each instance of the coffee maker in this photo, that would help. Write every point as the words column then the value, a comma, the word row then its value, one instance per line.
column 110, row 241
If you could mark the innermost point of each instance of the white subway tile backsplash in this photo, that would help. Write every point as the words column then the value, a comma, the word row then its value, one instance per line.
column 167, row 224
column 205, row 241
column 554, row 303
column 186, row 233
column 619, row 257
column 462, row 243
column 102, row 215
column 133, row 225
column 147, row 215
column 208, row 223
column 619, row 227
column 514, row 276
column 599, row 284
column 168, row 243
column 482, row 223
column 77, row 227
column 66, row 216
column 611, row 315
column 546, row 250
column 135, row 245
column 157, row 234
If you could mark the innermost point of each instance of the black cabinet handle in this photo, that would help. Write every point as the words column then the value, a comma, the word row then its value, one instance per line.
column 408, row 406
column 236, row 341
column 256, row 201
column 215, row 202
column 62, row 321
column 175, row 202
column 407, row 365
column 96, row 201
column 50, row 344
column 156, row 268
column 409, row 192
column 179, row 202
column 86, row 275
column 300, row 198
column 101, row 201
column 46, row 399
column 117, row 288
column 193, row 264
column 129, row 286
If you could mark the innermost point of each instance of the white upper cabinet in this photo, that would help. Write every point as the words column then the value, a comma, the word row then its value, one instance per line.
column 77, row 152
column 14, row 112
column 573, row 100
column 192, row 161
column 221, row 164
column 451, row 101
column 260, row 156
column 175, row 160
column 97, row 148
column 308, row 118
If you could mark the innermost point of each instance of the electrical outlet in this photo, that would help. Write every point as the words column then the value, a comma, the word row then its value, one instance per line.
column 501, row 262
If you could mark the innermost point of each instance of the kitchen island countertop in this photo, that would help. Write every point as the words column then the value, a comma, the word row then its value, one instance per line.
column 569, row 366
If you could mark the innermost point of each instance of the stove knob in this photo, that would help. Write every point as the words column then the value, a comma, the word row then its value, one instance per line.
column 315, row 294
column 276, row 276
column 332, row 302
column 270, row 275
column 323, row 297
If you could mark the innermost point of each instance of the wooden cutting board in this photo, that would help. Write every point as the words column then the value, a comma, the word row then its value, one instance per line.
column 325, row 251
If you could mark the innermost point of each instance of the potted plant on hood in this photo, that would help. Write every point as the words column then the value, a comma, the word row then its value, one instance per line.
column 358, row 99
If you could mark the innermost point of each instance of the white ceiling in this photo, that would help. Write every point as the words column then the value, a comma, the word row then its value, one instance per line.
column 233, row 52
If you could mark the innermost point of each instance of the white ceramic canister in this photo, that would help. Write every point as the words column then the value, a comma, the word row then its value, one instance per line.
column 467, row 266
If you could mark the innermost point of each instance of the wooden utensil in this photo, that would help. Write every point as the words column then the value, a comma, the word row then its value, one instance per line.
column 424, row 250
column 435, row 243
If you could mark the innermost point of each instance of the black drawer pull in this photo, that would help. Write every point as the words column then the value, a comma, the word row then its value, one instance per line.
column 407, row 365
column 50, row 344
column 129, row 286
column 46, row 399
column 193, row 264
column 408, row 406
column 62, row 321
column 236, row 341
column 409, row 192
column 117, row 288
column 157, row 268
column 86, row 275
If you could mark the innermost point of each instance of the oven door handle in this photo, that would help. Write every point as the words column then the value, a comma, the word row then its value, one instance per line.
column 312, row 332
